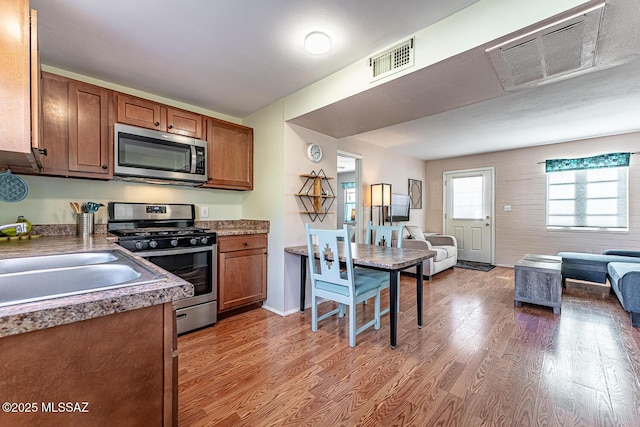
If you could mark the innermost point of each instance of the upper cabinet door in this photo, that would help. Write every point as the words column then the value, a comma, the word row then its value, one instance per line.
column 230, row 155
column 36, row 106
column 89, row 143
column 15, row 86
column 75, row 124
column 184, row 123
column 141, row 112
column 152, row 115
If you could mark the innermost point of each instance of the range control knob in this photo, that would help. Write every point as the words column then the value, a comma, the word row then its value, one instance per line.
column 193, row 241
column 204, row 239
column 138, row 244
column 153, row 244
column 174, row 242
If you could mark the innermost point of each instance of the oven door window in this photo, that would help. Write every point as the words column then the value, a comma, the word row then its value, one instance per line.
column 141, row 152
column 192, row 267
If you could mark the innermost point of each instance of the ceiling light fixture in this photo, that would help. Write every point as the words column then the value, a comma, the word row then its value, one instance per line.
column 317, row 43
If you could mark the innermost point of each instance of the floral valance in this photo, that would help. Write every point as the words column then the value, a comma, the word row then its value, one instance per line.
column 611, row 160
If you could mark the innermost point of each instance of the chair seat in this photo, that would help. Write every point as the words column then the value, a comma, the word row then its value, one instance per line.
column 362, row 284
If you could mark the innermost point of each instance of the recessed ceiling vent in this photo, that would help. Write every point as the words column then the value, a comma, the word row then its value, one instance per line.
column 397, row 58
column 549, row 53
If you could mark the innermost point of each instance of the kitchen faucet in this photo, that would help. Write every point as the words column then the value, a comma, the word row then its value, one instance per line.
column 21, row 227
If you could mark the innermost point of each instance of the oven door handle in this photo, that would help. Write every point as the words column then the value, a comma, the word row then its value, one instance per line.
column 169, row 252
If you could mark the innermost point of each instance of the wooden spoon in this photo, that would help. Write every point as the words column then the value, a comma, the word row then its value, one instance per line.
column 75, row 206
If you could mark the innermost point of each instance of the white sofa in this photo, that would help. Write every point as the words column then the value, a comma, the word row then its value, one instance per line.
column 446, row 248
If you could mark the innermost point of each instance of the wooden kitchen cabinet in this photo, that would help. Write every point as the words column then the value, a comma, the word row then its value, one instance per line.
column 242, row 270
column 152, row 115
column 230, row 155
column 184, row 123
column 122, row 365
column 76, row 128
column 20, row 68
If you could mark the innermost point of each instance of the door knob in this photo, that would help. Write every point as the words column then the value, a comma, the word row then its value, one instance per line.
column 487, row 224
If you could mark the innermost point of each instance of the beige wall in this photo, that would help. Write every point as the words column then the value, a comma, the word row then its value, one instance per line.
column 381, row 165
column 296, row 139
column 266, row 201
column 48, row 199
column 520, row 182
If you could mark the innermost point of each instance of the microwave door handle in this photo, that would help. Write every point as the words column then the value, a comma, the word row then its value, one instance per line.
column 193, row 159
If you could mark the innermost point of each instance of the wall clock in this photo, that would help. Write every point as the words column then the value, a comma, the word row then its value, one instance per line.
column 314, row 152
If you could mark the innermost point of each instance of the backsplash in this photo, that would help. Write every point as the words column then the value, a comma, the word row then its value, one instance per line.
column 256, row 226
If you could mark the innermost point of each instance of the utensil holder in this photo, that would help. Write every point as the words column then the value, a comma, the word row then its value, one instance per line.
column 84, row 224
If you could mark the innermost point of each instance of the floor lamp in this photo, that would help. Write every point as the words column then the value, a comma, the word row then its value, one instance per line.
column 380, row 198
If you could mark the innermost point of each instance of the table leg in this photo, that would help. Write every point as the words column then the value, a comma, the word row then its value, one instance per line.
column 419, row 293
column 303, row 280
column 393, row 306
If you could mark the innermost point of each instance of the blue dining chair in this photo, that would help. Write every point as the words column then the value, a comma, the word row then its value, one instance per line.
column 344, row 287
column 382, row 235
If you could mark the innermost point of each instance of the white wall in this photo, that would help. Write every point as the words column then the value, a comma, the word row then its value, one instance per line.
column 477, row 24
column 521, row 182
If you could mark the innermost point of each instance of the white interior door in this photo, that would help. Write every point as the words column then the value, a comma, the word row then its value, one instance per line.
column 469, row 213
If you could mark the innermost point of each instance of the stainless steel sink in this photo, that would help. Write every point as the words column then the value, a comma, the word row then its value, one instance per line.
column 44, row 277
column 17, row 265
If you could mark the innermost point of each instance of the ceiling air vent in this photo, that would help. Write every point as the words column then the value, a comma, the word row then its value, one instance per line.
column 548, row 54
column 392, row 60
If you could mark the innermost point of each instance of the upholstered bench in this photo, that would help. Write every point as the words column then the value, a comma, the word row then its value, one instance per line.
column 625, row 282
column 622, row 267
column 593, row 267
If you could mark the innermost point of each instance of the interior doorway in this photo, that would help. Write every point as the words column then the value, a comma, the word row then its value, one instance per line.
column 349, row 188
column 468, row 212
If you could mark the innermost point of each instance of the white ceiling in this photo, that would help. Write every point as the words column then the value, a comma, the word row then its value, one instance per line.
column 238, row 57
column 234, row 57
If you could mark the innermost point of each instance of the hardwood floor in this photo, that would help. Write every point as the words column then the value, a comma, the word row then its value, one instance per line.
column 476, row 361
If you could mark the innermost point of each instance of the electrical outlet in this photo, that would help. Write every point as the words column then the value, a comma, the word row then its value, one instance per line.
column 507, row 208
column 204, row 212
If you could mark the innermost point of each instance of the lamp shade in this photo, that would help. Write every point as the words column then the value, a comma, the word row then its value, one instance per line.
column 381, row 194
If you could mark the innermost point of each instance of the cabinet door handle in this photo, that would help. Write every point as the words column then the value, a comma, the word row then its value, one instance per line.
column 157, row 123
column 105, row 167
column 246, row 243
column 170, row 126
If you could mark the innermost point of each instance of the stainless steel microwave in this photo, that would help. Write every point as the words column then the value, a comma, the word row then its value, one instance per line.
column 151, row 156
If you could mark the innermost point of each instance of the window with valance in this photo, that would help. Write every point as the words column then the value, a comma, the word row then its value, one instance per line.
column 588, row 192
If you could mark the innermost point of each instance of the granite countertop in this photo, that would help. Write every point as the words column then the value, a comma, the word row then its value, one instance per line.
column 374, row 256
column 235, row 227
column 60, row 238
column 25, row 317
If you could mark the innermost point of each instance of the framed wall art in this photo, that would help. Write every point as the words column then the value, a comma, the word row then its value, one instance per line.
column 415, row 193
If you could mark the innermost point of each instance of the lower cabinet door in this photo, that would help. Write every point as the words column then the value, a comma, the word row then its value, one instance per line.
column 242, row 278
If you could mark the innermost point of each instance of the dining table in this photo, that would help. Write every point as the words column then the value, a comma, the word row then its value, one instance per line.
column 390, row 259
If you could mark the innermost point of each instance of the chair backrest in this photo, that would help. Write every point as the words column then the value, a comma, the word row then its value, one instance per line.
column 383, row 234
column 328, row 267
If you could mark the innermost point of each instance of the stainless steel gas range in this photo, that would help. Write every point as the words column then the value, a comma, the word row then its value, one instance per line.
column 165, row 235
